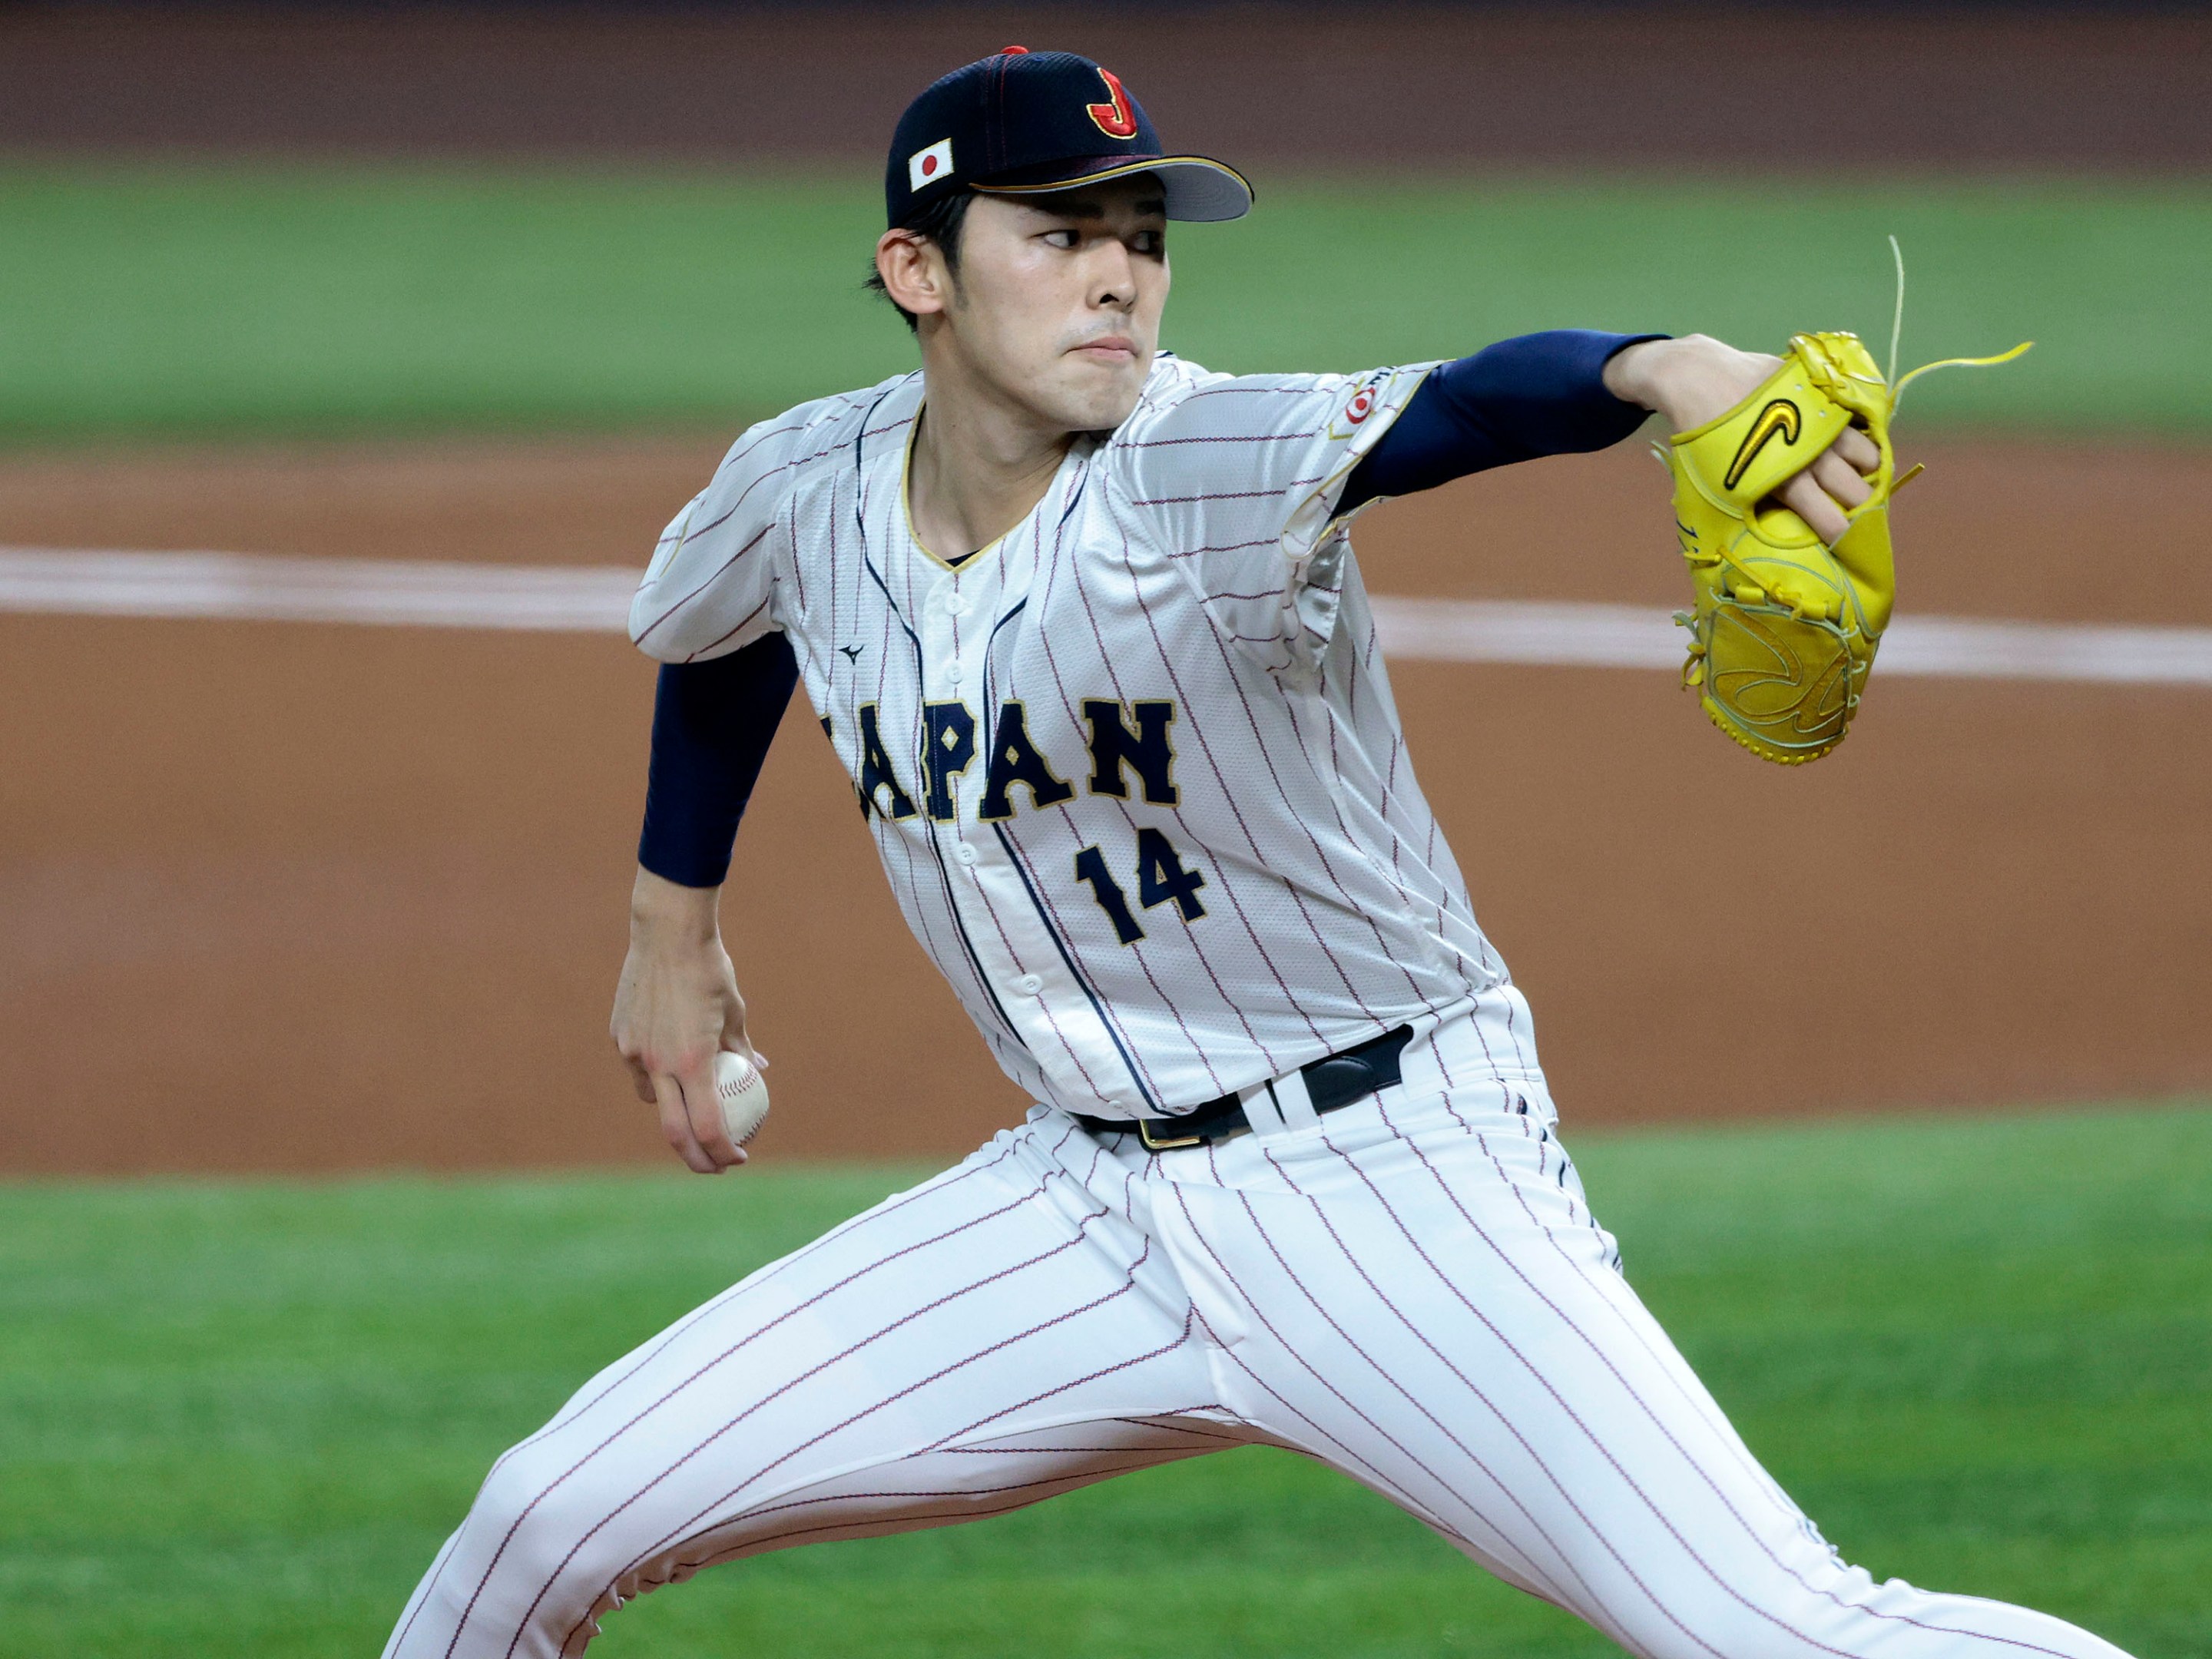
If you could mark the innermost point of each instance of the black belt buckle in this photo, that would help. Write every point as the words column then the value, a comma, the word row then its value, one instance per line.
column 1351, row 1075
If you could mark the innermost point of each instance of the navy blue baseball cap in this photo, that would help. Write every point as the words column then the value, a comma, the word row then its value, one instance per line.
column 1028, row 123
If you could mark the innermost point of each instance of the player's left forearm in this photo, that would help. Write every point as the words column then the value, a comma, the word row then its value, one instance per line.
column 1533, row 395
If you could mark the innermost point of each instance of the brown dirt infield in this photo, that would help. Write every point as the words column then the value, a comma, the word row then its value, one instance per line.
column 292, row 897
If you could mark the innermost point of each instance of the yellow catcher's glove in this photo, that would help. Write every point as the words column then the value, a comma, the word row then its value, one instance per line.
column 1783, row 628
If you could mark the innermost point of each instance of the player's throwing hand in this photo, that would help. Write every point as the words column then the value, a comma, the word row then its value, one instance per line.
column 675, row 1007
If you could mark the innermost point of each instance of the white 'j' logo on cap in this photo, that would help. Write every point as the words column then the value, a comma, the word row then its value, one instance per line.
column 926, row 166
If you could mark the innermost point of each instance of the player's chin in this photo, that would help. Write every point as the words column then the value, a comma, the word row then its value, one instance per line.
column 1097, row 393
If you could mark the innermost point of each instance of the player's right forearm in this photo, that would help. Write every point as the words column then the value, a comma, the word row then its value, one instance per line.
column 712, row 725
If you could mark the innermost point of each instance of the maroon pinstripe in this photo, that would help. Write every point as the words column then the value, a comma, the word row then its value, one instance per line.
column 654, row 627
column 1303, row 435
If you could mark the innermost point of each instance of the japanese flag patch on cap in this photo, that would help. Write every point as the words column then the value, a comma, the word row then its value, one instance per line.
column 928, row 166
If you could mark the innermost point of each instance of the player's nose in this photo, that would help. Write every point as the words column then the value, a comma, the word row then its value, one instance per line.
column 1113, row 275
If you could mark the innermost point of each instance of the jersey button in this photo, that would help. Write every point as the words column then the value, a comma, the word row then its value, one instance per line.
column 955, row 605
column 1029, row 985
column 966, row 853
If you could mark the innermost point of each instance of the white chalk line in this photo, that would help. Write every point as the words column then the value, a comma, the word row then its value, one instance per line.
column 595, row 598
column 267, row 587
column 1631, row 637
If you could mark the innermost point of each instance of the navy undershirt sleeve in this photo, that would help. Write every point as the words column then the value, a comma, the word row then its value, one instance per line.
column 712, row 725
column 1536, row 394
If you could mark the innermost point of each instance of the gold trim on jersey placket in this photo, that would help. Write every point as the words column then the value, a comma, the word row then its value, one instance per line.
column 906, row 504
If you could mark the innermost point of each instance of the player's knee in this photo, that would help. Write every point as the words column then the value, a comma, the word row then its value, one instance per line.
column 533, row 1515
column 514, row 1579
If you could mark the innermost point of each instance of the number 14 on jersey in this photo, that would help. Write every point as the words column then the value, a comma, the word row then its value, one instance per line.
column 1162, row 878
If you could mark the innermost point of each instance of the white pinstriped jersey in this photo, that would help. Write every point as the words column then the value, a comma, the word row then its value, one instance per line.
column 1134, row 771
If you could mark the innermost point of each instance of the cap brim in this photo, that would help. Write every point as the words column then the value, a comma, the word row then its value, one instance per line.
column 1198, row 190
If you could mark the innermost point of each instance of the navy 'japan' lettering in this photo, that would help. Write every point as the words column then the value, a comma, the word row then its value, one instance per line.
column 876, row 775
column 1015, row 759
column 1145, row 749
column 948, row 744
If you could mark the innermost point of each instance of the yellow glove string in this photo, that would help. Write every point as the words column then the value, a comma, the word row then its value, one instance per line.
column 1897, row 391
column 1897, row 333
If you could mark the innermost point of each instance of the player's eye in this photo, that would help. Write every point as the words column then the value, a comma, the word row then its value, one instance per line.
column 1149, row 242
column 1061, row 239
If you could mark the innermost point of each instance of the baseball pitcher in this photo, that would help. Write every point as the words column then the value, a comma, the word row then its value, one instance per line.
column 1083, row 622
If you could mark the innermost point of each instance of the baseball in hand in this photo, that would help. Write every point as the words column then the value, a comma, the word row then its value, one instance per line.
column 741, row 1095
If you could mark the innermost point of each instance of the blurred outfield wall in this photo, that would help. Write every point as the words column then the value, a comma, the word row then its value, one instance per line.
column 1343, row 86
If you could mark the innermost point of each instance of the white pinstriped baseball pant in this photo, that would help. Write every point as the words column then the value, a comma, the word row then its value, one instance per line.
column 1410, row 1290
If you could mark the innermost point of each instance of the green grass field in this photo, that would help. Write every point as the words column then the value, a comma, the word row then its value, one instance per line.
column 237, row 1419
column 291, row 299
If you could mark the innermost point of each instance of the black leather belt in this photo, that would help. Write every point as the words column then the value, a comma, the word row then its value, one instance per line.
column 1332, row 1081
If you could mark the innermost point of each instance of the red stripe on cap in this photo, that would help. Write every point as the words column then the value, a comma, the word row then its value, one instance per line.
column 1013, row 51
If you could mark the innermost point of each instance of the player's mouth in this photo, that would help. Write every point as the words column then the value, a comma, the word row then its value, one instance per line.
column 1114, row 349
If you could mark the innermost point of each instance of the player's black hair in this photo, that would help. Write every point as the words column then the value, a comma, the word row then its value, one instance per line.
column 940, row 221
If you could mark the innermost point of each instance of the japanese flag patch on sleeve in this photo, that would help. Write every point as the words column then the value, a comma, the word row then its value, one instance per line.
column 1352, row 414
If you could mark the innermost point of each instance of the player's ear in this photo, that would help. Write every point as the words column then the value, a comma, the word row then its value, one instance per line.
column 913, row 272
